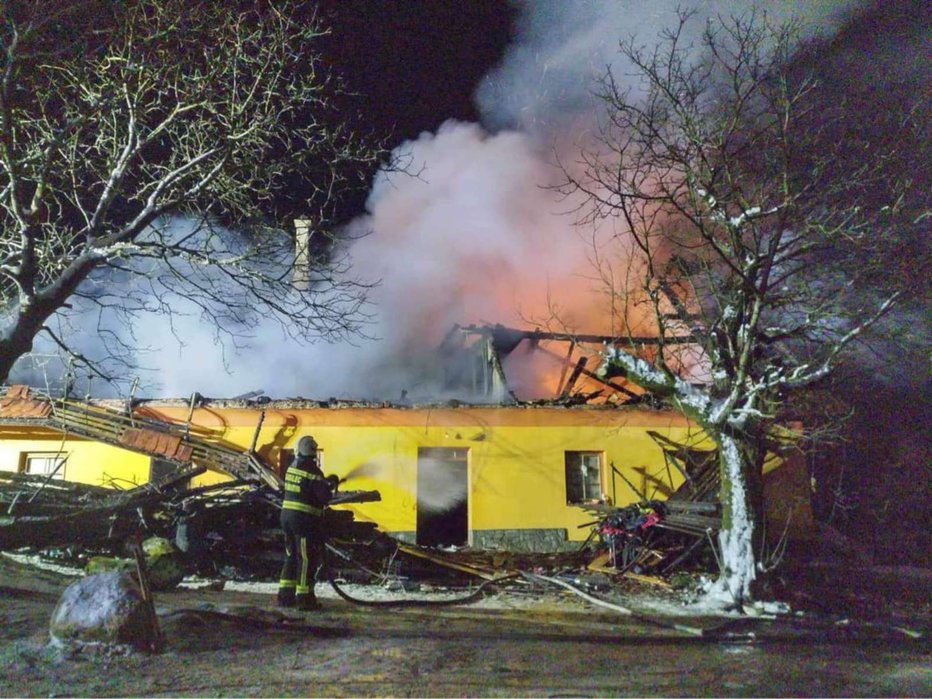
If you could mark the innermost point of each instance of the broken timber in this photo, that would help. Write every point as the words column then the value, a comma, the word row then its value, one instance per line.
column 501, row 341
column 145, row 588
column 163, row 440
column 509, row 337
column 633, row 534
column 108, row 514
column 446, row 563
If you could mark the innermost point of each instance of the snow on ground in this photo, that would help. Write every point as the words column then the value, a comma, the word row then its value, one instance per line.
column 493, row 600
column 40, row 563
column 504, row 599
column 666, row 604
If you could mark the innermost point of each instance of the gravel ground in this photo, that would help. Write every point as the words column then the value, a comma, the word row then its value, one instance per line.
column 234, row 642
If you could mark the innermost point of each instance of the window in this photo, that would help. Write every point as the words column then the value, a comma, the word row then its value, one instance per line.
column 583, row 476
column 44, row 464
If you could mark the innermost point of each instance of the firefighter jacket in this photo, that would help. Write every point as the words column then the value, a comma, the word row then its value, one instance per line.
column 306, row 489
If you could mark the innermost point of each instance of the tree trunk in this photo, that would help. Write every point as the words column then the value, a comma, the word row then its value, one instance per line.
column 27, row 320
column 741, row 512
column 13, row 344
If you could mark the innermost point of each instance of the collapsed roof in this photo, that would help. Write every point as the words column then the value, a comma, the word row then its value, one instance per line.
column 509, row 365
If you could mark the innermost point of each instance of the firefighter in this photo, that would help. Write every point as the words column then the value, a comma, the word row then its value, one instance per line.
column 307, row 493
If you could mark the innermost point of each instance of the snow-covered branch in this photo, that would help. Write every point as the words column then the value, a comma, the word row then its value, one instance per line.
column 664, row 383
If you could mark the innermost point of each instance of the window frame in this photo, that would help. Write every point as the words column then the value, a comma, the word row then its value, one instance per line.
column 58, row 459
column 584, row 483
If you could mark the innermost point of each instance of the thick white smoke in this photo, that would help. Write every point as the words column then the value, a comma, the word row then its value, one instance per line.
column 476, row 235
column 479, row 235
column 545, row 80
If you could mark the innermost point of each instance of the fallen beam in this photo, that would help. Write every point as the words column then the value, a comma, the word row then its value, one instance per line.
column 420, row 553
column 619, row 340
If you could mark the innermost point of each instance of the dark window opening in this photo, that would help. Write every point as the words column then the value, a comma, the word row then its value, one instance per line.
column 583, row 476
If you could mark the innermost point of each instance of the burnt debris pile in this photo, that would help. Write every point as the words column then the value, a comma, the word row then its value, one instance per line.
column 228, row 529
column 661, row 537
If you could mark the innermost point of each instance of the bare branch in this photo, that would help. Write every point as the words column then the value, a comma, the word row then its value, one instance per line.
column 115, row 138
column 723, row 171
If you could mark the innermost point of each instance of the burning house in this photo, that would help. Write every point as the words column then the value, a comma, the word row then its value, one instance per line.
column 512, row 468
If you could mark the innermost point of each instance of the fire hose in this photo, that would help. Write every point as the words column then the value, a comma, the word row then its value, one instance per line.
column 691, row 630
column 474, row 596
column 481, row 590
column 722, row 632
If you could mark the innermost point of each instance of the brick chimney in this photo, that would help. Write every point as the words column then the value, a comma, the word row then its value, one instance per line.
column 301, row 274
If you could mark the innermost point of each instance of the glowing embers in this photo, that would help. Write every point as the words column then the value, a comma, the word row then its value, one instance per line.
column 507, row 364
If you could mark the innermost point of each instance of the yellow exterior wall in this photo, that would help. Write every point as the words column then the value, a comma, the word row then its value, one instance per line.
column 88, row 461
column 516, row 455
column 515, row 464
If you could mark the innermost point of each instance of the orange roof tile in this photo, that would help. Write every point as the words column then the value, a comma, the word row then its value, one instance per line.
column 18, row 404
column 153, row 442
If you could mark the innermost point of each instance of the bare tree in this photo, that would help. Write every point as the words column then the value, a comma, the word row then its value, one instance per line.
column 752, row 219
column 135, row 135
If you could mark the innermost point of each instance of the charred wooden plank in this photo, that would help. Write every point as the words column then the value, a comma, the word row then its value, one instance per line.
column 574, row 375
column 619, row 340
column 689, row 506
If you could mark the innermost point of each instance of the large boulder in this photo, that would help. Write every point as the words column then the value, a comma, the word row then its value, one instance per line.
column 103, row 609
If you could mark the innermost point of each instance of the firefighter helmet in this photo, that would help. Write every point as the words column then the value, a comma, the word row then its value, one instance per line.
column 307, row 446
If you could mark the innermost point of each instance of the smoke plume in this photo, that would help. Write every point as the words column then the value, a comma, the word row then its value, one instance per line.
column 480, row 234
column 545, row 81
column 474, row 234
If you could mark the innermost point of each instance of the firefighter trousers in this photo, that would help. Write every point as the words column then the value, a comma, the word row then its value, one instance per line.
column 303, row 558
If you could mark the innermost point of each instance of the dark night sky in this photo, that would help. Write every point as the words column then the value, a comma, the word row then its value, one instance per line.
column 416, row 63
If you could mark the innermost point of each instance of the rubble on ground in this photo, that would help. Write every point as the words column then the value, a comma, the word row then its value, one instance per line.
column 230, row 531
column 227, row 530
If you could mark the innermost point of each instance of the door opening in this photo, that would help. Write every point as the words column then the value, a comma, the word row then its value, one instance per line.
column 442, row 496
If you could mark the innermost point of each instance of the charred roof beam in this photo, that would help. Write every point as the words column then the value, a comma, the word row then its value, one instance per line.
column 506, row 339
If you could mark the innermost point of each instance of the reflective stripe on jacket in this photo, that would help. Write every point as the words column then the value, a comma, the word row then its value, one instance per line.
column 306, row 489
column 301, row 507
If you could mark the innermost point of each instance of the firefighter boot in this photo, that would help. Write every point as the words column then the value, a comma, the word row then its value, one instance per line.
column 306, row 603
column 286, row 597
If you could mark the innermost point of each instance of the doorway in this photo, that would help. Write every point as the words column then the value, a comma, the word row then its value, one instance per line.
column 442, row 496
